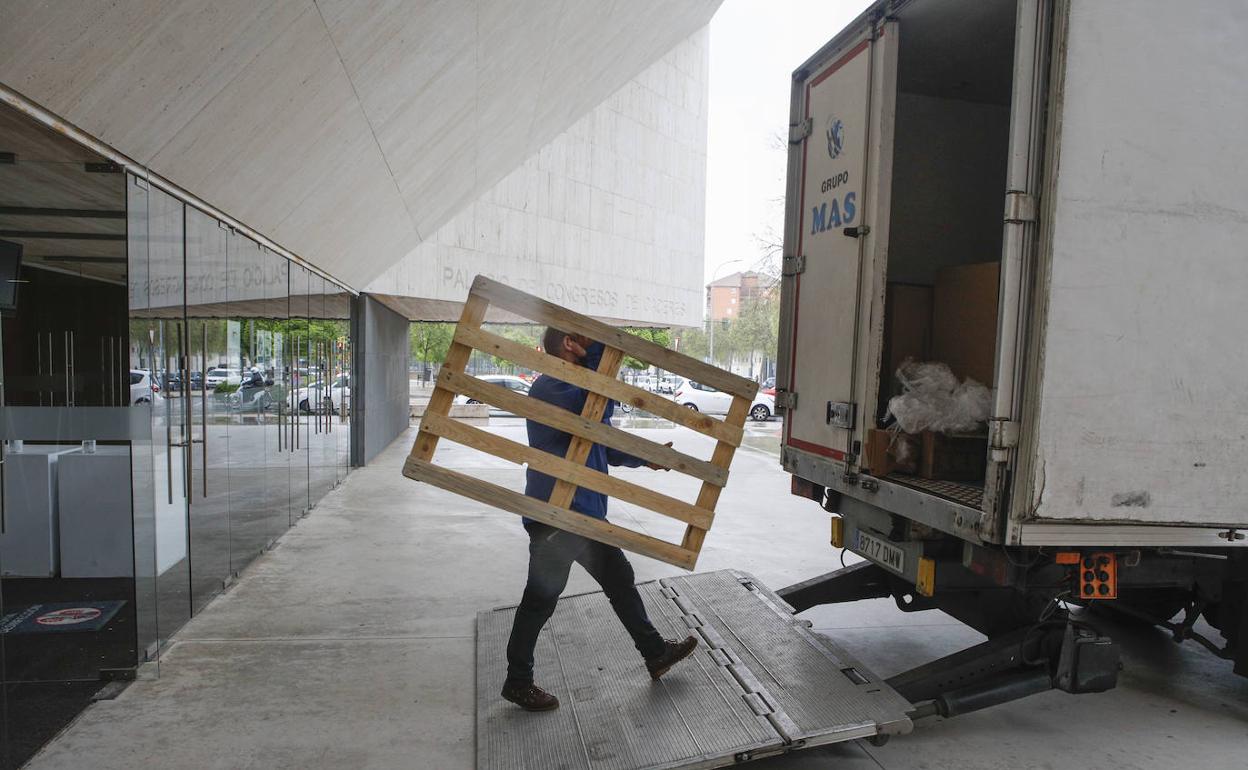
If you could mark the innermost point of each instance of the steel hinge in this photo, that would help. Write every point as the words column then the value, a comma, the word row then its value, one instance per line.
column 794, row 265
column 801, row 130
column 786, row 399
column 1020, row 207
column 1002, row 433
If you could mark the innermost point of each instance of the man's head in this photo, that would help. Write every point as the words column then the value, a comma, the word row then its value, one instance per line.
column 569, row 347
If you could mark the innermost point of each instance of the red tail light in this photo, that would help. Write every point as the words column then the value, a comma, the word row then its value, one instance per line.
column 155, row 388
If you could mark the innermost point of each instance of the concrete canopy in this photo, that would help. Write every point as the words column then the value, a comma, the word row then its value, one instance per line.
column 346, row 130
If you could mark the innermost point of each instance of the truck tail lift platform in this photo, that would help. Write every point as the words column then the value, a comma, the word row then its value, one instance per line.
column 761, row 682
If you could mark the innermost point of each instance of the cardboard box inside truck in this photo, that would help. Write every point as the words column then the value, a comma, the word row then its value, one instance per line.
column 907, row 325
column 964, row 319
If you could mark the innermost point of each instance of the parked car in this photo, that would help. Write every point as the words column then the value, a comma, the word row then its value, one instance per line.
column 171, row 383
column 222, row 376
column 769, row 386
column 506, row 380
column 142, row 388
column 704, row 398
column 329, row 397
column 252, row 396
column 647, row 382
column 667, row 384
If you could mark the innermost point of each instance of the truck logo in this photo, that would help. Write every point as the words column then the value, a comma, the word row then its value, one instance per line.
column 836, row 138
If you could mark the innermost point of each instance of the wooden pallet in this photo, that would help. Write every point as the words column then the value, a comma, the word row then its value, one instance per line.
column 586, row 428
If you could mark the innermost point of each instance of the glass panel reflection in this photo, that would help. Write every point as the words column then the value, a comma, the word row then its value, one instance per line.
column 305, row 384
column 249, row 495
column 207, row 265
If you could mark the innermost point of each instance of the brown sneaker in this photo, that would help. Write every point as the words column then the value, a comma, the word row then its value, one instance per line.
column 529, row 697
column 673, row 654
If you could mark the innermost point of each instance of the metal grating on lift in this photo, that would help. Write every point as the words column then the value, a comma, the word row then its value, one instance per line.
column 966, row 494
column 760, row 683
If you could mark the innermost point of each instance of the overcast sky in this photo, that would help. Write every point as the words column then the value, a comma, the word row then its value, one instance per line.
column 755, row 46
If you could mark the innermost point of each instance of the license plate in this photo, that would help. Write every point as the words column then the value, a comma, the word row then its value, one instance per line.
column 881, row 552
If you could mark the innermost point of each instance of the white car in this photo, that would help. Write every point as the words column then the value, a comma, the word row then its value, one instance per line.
column 508, row 381
column 143, row 389
column 704, row 398
column 221, row 376
column 330, row 397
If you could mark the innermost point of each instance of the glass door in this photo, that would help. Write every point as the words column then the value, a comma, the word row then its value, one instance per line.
column 207, row 266
column 272, row 381
column 305, row 390
column 251, row 498
column 171, row 431
column 338, row 325
column 321, row 449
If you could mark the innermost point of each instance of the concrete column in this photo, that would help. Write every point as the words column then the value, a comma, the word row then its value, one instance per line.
column 379, row 386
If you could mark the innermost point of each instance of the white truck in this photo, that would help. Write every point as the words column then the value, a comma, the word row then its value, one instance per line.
column 1049, row 197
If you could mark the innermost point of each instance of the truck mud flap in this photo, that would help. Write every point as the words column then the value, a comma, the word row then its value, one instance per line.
column 760, row 683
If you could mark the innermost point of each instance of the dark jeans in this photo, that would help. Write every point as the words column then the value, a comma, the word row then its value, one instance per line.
column 551, row 553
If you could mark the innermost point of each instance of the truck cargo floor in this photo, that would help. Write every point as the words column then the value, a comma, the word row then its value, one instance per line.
column 967, row 494
column 760, row 683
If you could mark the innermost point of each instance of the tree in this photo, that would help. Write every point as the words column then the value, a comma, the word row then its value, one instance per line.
column 430, row 341
column 661, row 337
column 692, row 342
column 756, row 330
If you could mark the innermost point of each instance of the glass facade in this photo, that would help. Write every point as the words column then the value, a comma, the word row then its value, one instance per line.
column 174, row 395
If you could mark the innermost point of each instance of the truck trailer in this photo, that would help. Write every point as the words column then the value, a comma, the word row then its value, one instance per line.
column 1046, row 196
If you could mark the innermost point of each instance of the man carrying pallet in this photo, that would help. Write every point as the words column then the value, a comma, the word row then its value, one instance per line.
column 552, row 550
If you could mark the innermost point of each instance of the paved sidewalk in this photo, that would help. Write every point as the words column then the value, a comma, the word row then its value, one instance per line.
column 351, row 645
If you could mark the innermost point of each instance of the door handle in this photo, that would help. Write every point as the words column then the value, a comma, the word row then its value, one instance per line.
column 203, row 403
column 169, row 445
column 184, row 374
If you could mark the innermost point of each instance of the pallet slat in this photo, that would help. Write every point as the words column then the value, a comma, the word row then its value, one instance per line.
column 593, row 410
column 654, row 403
column 594, row 431
column 708, row 496
column 570, row 521
column 568, row 321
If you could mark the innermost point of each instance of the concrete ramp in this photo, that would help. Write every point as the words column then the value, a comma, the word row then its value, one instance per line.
column 760, row 683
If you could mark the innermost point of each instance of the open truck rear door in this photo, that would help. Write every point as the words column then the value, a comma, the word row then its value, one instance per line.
column 836, row 239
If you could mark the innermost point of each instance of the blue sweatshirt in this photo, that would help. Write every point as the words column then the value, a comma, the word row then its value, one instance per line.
column 547, row 439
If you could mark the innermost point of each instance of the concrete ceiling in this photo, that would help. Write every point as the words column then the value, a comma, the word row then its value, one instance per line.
column 345, row 130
